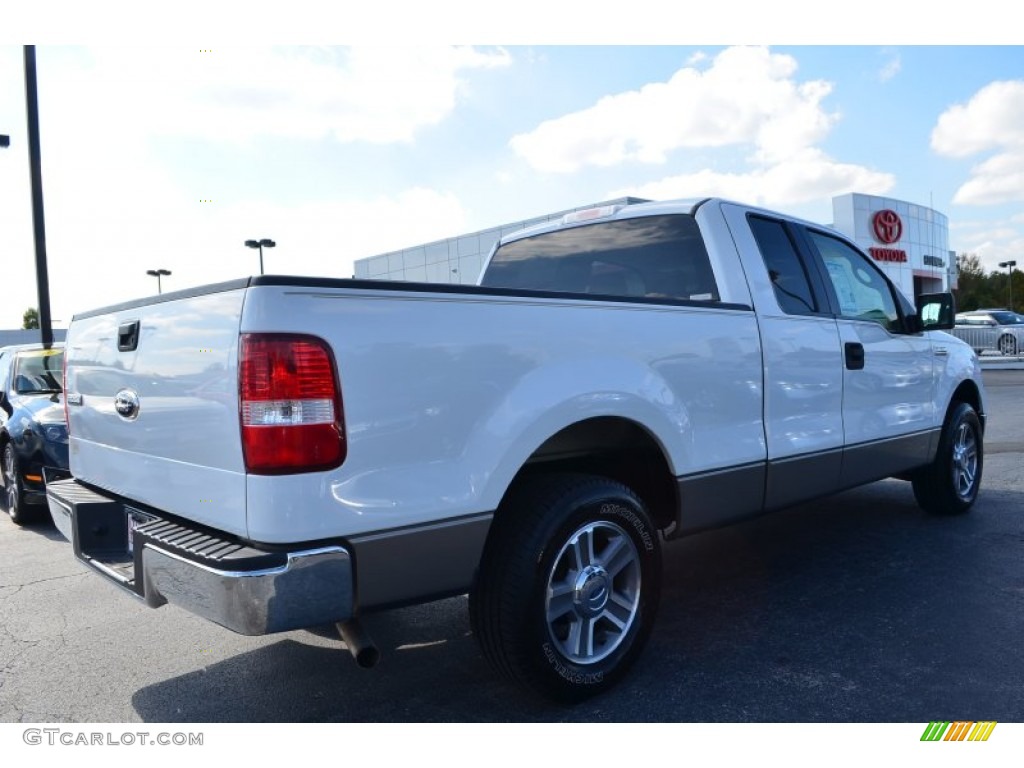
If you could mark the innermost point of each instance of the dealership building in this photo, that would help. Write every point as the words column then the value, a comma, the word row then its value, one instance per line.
column 909, row 242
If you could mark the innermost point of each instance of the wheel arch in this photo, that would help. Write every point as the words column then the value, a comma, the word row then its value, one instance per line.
column 966, row 392
column 614, row 447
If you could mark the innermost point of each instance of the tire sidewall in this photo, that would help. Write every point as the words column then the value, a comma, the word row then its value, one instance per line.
column 15, row 510
column 566, row 679
column 964, row 414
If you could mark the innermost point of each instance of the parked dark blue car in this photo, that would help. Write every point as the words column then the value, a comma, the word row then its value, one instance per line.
column 33, row 434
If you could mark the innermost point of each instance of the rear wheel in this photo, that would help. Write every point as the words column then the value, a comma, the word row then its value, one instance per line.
column 949, row 485
column 568, row 586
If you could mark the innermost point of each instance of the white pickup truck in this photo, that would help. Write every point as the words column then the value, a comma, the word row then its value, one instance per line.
column 282, row 452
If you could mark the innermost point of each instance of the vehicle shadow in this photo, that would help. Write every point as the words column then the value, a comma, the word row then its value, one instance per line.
column 858, row 608
column 431, row 670
column 41, row 525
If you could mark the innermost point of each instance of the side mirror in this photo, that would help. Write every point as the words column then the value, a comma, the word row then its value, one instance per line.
column 936, row 311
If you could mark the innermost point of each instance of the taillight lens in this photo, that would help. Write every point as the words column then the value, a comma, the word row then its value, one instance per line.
column 290, row 404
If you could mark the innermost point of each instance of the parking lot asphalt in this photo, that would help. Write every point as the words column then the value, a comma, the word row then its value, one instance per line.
column 854, row 608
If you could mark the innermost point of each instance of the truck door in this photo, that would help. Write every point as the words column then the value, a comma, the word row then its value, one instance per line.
column 888, row 374
column 803, row 369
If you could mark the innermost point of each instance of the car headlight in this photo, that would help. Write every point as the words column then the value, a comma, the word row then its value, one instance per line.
column 56, row 433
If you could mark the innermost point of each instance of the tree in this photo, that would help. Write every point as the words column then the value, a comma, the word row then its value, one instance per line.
column 975, row 288
column 31, row 318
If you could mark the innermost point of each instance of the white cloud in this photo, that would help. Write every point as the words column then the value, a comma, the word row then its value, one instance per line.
column 747, row 96
column 115, row 208
column 992, row 241
column 992, row 121
column 999, row 179
column 378, row 95
column 807, row 176
column 100, row 260
column 890, row 69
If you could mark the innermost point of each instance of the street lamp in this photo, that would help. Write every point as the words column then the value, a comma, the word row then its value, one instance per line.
column 158, row 273
column 1009, row 277
column 261, row 244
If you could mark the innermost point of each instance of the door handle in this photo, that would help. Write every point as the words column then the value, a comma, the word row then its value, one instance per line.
column 854, row 355
column 941, row 352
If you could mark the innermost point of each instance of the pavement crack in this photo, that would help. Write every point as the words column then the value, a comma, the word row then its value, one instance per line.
column 16, row 588
column 43, row 581
column 8, row 667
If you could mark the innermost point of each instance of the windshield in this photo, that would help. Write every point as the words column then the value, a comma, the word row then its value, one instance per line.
column 38, row 371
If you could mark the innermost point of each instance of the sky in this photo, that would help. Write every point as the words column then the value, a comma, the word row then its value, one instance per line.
column 169, row 155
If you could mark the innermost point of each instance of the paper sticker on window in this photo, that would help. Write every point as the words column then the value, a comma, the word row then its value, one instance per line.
column 841, row 282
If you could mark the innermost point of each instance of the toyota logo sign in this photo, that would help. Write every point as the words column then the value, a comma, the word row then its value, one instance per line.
column 888, row 227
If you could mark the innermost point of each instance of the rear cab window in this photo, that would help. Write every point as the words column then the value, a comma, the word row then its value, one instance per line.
column 647, row 257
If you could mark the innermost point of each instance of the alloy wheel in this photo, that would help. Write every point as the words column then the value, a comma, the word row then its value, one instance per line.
column 593, row 592
column 965, row 460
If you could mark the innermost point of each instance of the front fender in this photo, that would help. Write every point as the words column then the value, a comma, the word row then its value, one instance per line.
column 961, row 364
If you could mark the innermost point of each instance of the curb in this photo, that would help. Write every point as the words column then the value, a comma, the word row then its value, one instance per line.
column 1000, row 363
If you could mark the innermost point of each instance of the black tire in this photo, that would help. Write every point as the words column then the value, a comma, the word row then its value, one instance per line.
column 540, row 596
column 949, row 485
column 1007, row 345
column 14, row 496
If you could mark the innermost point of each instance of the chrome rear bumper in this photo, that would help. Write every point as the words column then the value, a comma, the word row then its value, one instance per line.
column 159, row 560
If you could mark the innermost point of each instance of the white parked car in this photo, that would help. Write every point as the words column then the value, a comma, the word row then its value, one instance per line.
column 998, row 329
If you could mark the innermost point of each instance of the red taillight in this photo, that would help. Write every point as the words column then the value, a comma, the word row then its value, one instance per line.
column 290, row 405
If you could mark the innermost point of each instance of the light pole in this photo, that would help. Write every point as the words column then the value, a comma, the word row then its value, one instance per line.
column 1009, row 278
column 35, row 165
column 158, row 273
column 261, row 244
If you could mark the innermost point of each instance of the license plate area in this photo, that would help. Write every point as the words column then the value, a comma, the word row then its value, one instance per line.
column 101, row 537
column 134, row 518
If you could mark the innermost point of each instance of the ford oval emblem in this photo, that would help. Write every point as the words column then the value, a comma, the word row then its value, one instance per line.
column 126, row 403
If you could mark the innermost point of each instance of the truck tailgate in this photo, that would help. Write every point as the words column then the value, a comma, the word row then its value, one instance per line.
column 153, row 404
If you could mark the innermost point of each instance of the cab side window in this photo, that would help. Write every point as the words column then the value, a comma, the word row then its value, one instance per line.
column 862, row 291
column 785, row 268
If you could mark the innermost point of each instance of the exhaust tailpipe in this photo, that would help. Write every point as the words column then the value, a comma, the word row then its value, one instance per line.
column 359, row 643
